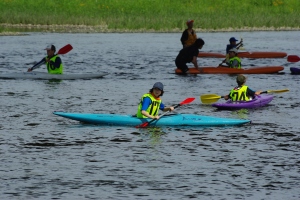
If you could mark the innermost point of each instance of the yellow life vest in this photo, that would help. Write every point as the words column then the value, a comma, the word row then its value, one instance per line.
column 153, row 107
column 191, row 38
column 52, row 69
column 233, row 59
column 239, row 94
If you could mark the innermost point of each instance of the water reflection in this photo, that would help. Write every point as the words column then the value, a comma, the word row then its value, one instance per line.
column 154, row 134
column 240, row 114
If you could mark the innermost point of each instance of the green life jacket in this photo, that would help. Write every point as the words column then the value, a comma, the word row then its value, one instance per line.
column 233, row 59
column 239, row 94
column 52, row 69
column 153, row 107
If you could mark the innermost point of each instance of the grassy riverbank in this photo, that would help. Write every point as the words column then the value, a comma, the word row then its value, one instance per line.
column 150, row 15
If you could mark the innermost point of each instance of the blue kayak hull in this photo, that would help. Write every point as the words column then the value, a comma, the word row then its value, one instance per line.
column 167, row 120
column 258, row 101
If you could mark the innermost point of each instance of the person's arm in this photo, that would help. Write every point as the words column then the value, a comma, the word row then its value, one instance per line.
column 37, row 65
column 165, row 109
column 145, row 104
column 57, row 62
column 240, row 44
column 184, row 37
column 227, row 64
column 194, row 61
column 226, row 97
column 145, row 113
column 252, row 93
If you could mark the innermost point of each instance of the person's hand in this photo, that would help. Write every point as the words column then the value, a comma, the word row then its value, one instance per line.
column 258, row 92
column 171, row 108
column 156, row 117
column 29, row 70
column 47, row 60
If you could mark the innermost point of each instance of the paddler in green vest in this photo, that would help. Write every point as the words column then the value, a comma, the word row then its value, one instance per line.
column 150, row 103
column 234, row 60
column 241, row 92
column 53, row 62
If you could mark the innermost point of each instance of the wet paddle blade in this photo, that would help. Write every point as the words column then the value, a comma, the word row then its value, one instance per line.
column 209, row 98
column 187, row 101
column 293, row 58
column 65, row 49
column 278, row 91
column 143, row 125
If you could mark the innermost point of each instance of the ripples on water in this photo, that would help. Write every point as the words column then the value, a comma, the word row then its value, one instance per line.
column 44, row 156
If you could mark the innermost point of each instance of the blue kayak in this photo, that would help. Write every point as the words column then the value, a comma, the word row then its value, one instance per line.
column 166, row 120
column 258, row 101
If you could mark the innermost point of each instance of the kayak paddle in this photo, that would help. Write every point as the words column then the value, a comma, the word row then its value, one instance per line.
column 293, row 58
column 275, row 91
column 212, row 98
column 65, row 49
column 186, row 101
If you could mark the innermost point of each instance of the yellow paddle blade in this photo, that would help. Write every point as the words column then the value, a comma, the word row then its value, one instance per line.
column 209, row 98
column 278, row 91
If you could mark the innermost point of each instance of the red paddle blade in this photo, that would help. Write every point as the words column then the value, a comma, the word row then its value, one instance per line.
column 143, row 125
column 65, row 49
column 293, row 58
column 188, row 100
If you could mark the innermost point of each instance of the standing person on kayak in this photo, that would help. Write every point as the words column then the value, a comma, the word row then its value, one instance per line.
column 188, row 36
column 150, row 103
column 189, row 54
column 241, row 92
column 232, row 44
column 53, row 62
column 234, row 61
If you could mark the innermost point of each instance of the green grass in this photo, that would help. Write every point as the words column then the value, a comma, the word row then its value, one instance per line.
column 158, row 15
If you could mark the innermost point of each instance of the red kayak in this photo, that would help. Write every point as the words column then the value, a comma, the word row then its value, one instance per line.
column 255, row 54
column 226, row 70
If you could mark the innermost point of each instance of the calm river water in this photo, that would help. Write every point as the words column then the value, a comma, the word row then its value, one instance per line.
column 44, row 156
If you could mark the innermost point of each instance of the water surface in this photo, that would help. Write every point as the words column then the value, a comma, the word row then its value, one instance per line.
column 44, row 156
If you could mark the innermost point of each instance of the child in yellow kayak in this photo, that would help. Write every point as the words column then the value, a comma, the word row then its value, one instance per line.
column 151, row 103
column 241, row 92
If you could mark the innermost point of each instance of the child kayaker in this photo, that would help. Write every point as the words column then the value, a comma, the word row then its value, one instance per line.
column 234, row 61
column 232, row 44
column 52, row 61
column 241, row 92
column 150, row 103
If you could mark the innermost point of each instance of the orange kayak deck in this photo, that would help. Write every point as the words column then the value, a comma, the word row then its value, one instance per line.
column 226, row 70
column 255, row 54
